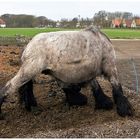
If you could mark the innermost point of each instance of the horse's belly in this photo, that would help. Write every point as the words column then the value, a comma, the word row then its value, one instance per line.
column 75, row 73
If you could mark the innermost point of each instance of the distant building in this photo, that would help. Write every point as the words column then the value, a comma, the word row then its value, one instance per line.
column 133, row 24
column 116, row 23
column 2, row 23
column 137, row 20
column 78, row 25
column 126, row 23
column 58, row 24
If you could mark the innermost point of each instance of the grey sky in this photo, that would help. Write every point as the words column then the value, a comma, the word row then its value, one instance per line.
column 57, row 9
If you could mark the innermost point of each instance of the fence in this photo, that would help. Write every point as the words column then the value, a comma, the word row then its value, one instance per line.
column 129, row 73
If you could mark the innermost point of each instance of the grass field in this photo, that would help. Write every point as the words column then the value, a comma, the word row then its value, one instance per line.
column 123, row 33
column 30, row 32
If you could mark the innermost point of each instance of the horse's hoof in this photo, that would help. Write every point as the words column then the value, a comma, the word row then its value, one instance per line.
column 66, row 106
column 36, row 110
column 106, row 104
column 2, row 100
column 2, row 116
column 77, row 99
column 124, row 108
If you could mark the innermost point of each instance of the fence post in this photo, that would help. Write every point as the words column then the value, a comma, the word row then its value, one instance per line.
column 136, row 76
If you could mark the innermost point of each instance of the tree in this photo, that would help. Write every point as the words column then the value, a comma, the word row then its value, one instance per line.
column 127, row 15
column 41, row 21
column 100, row 19
column 74, row 22
column 18, row 20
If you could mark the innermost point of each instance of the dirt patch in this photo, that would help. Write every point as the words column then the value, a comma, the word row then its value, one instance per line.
column 128, row 62
column 56, row 119
column 126, row 49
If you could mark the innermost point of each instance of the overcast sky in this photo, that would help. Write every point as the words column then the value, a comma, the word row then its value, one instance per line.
column 57, row 9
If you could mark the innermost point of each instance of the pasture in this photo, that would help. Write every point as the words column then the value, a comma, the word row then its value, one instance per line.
column 57, row 120
column 30, row 32
column 122, row 33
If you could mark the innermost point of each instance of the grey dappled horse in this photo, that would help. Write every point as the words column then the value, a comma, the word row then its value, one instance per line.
column 73, row 58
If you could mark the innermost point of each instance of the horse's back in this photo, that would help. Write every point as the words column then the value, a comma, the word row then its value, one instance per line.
column 72, row 56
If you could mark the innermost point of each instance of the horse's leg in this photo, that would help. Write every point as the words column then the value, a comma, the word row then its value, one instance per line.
column 123, row 106
column 102, row 101
column 26, row 95
column 27, row 71
column 73, row 94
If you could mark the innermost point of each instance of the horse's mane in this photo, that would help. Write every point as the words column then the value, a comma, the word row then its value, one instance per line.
column 96, row 30
column 92, row 29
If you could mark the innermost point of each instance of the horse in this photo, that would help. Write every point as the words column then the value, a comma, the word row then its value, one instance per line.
column 73, row 58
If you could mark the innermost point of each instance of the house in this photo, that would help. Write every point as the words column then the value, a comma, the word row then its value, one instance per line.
column 133, row 24
column 126, row 23
column 58, row 24
column 78, row 25
column 137, row 20
column 116, row 23
column 2, row 23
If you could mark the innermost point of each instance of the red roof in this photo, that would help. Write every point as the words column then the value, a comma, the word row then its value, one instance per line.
column 137, row 21
column 128, row 22
column 116, row 22
column 1, row 21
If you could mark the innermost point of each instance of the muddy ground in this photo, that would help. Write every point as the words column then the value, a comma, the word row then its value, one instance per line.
column 56, row 119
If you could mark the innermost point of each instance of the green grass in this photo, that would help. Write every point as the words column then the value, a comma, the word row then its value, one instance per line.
column 30, row 32
column 122, row 33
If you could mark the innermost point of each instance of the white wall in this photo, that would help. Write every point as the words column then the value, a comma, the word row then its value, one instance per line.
column 2, row 25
